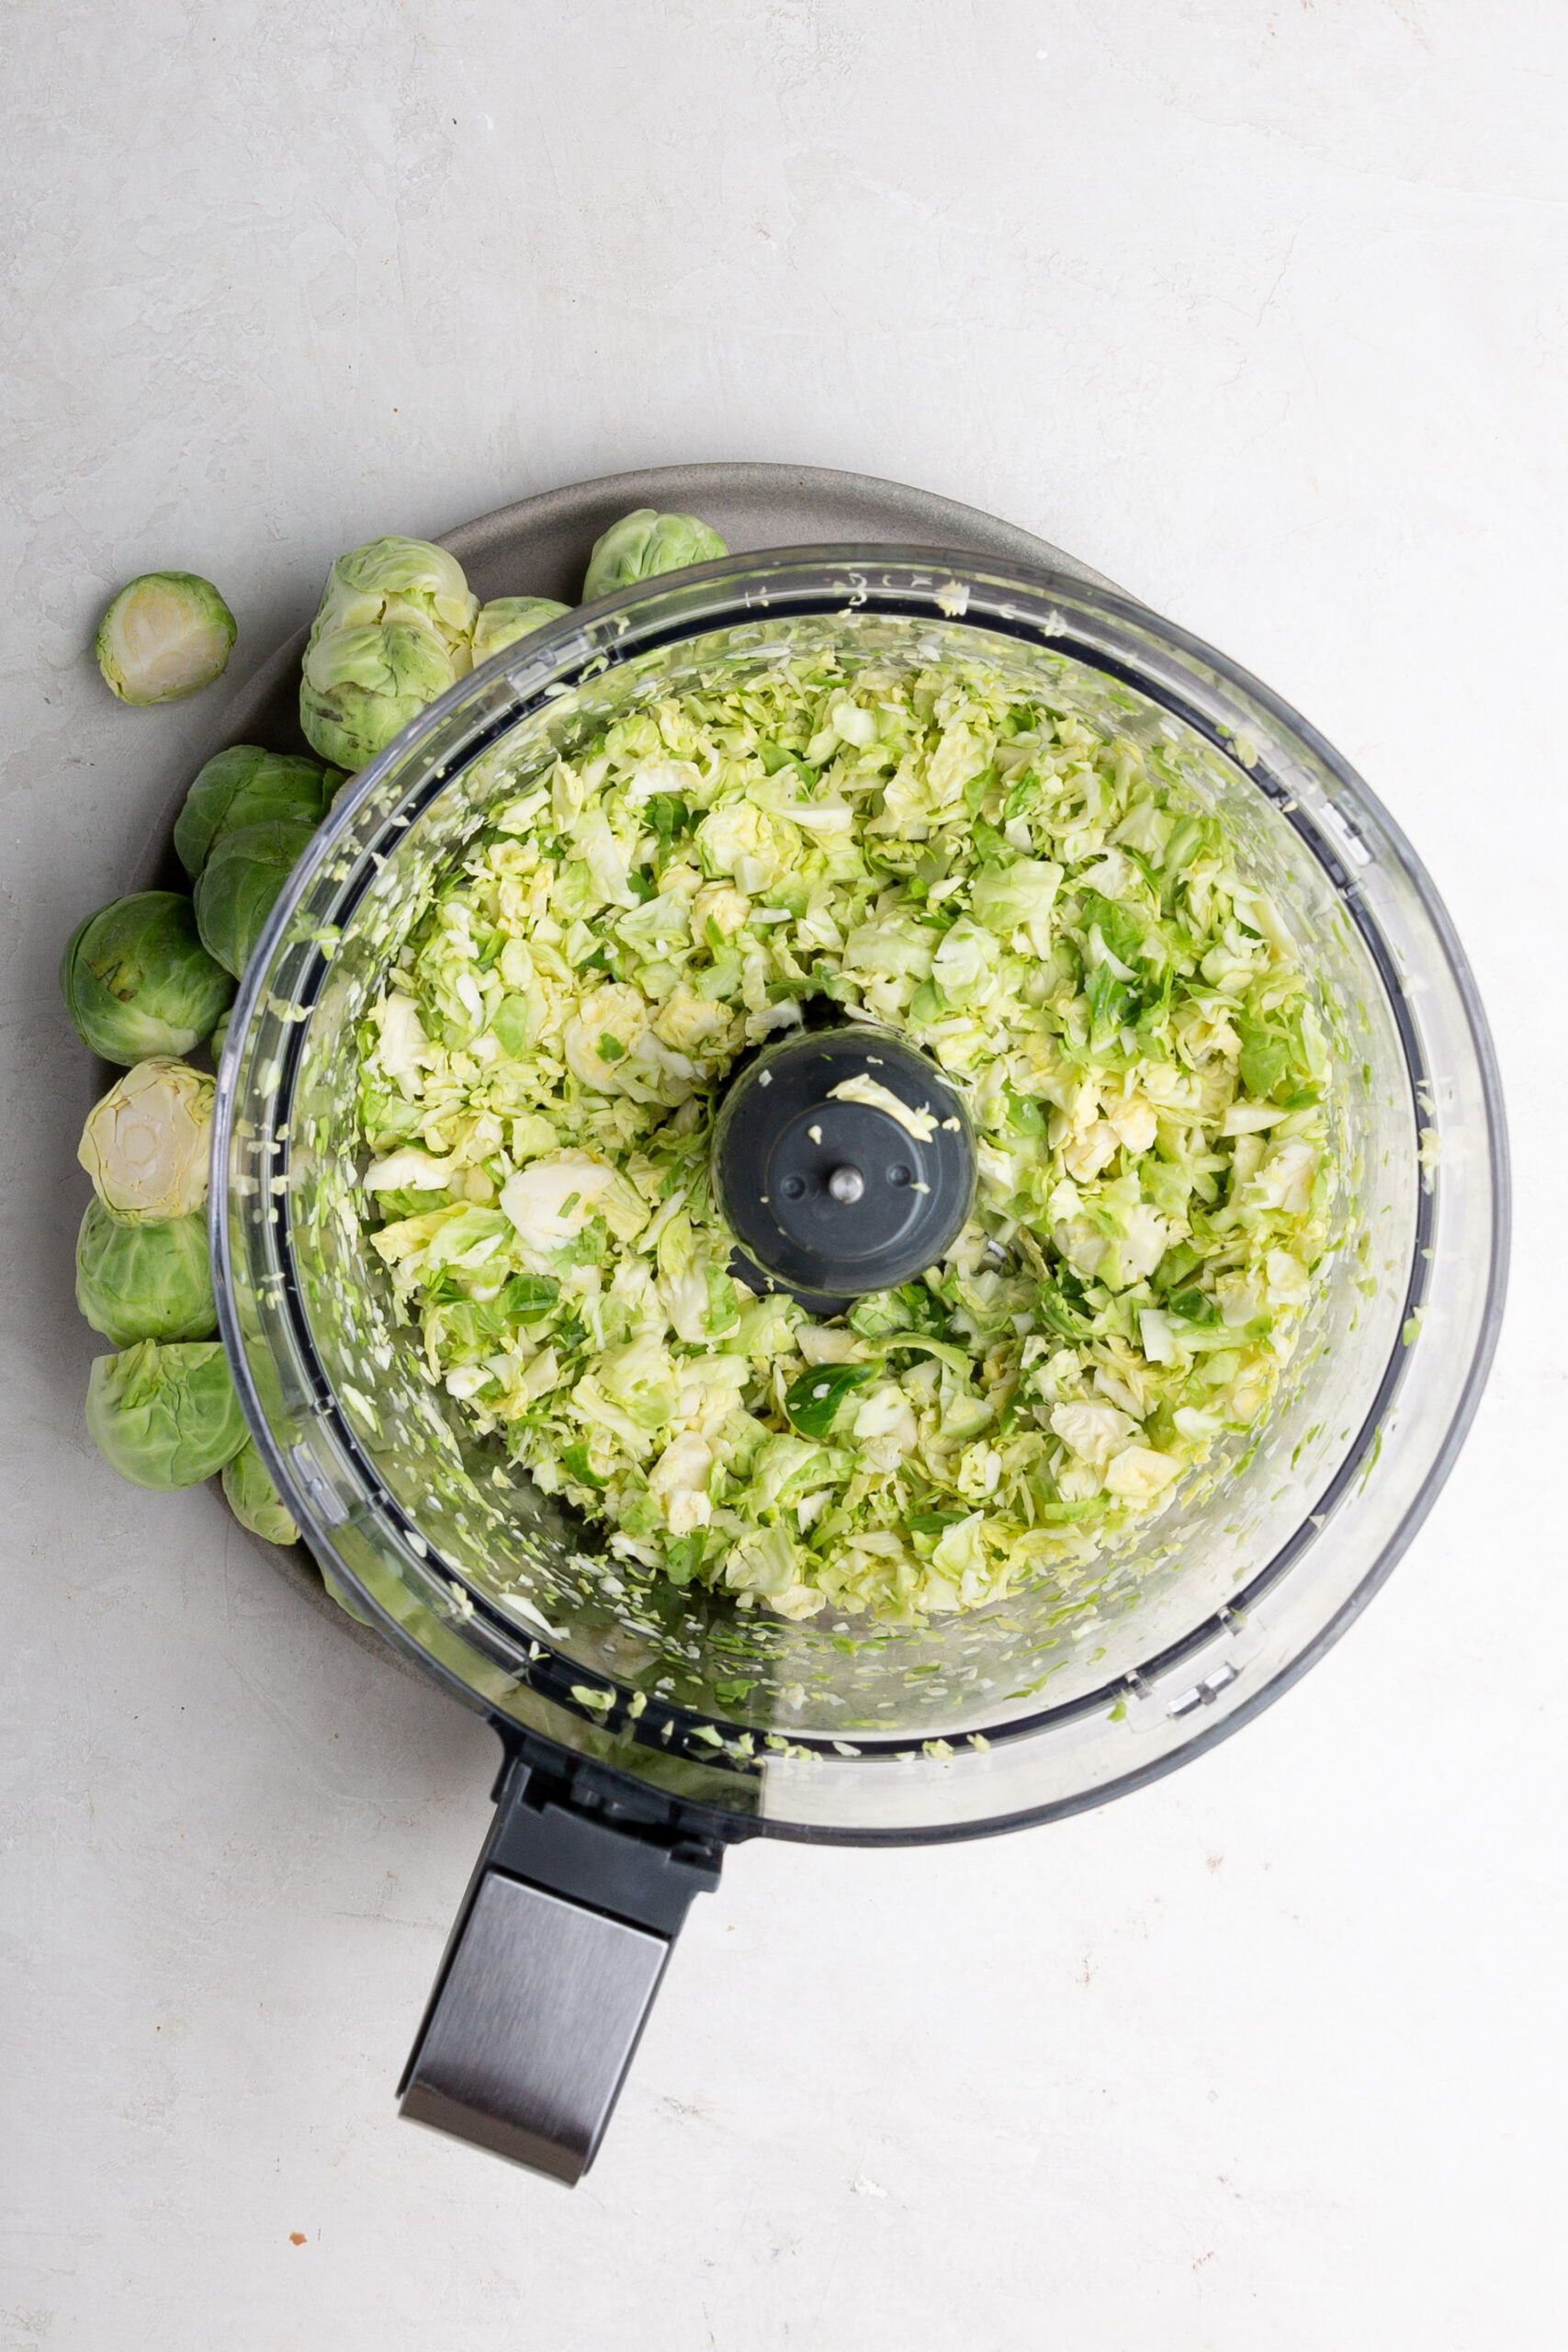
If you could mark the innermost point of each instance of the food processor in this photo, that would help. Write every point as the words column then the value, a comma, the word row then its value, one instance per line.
column 644, row 1729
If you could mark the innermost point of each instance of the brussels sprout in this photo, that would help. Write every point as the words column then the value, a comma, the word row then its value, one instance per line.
column 219, row 1037
column 393, row 578
column 246, row 786
column 145, row 1282
column 362, row 686
column 166, row 635
column 339, row 1594
column 254, row 1499
column 393, row 631
column 506, row 618
column 242, row 877
column 137, row 979
column 145, row 1144
column 165, row 1416
column 644, row 543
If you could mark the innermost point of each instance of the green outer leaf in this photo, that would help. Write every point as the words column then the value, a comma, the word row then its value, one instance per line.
column 1194, row 1307
column 1110, row 1003
column 946, row 1351
column 1119, row 926
column 812, row 1402
column 576, row 1460
column 1186, row 836
column 1058, row 1313
column 667, row 815
column 926, row 1311
column 530, row 1297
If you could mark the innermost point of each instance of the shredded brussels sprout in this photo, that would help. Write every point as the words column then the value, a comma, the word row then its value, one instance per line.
column 1042, row 910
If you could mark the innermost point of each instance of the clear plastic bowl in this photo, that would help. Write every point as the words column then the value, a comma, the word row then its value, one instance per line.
column 1010, row 1713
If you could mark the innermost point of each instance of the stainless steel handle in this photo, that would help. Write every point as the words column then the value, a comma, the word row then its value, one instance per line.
column 551, row 1971
column 530, row 2036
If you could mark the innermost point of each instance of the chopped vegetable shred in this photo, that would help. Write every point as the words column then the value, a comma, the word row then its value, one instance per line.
column 1049, row 916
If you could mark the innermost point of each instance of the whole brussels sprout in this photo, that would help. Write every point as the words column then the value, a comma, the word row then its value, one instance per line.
column 137, row 979
column 394, row 579
column 145, row 1282
column 644, row 544
column 219, row 1037
column 246, row 786
column 165, row 1416
column 506, row 618
column 361, row 686
column 166, row 634
column 346, row 1601
column 394, row 630
column 254, row 1499
column 234, row 895
column 145, row 1144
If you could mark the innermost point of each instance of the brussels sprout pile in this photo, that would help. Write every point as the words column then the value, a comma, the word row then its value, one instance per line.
column 151, row 978
column 162, row 1412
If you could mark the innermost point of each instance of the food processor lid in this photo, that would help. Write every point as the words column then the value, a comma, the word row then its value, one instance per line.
column 844, row 1162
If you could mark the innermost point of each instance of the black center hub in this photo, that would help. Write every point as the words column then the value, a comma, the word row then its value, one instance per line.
column 831, row 1194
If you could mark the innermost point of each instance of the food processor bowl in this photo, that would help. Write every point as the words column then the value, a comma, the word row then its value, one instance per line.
column 643, row 1730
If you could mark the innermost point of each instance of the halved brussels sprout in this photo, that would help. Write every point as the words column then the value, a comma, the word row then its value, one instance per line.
column 644, row 543
column 506, row 618
column 246, row 786
column 254, row 1499
column 243, row 876
column 145, row 1144
column 394, row 630
column 165, row 1416
column 137, row 979
column 165, row 635
column 145, row 1282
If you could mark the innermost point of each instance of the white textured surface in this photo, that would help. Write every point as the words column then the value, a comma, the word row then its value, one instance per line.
column 1260, row 308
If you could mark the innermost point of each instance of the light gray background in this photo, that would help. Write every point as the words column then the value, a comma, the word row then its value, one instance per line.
column 1258, row 306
